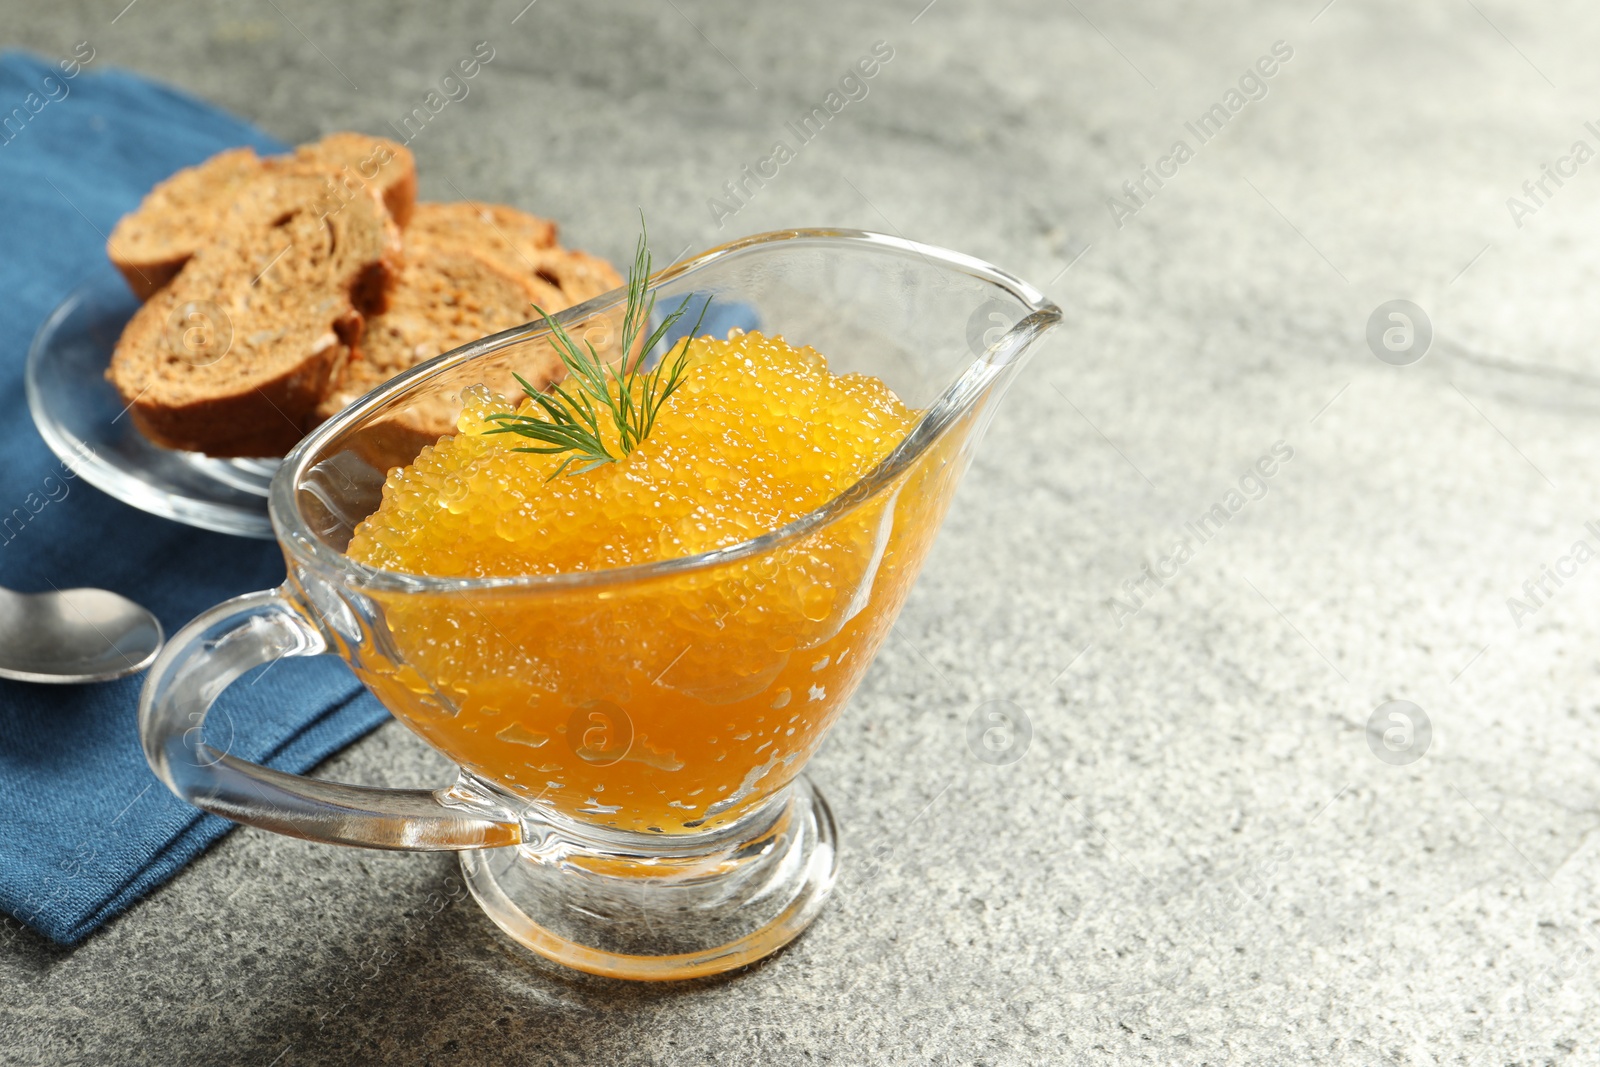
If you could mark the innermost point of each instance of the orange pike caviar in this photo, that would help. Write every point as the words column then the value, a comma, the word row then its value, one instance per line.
column 672, row 702
column 758, row 434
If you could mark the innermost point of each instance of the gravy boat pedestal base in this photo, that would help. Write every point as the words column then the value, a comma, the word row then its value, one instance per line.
column 638, row 907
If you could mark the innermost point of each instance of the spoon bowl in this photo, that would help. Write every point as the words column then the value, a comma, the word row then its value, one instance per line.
column 74, row 635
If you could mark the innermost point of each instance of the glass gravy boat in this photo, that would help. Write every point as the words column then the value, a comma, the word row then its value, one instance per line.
column 629, row 741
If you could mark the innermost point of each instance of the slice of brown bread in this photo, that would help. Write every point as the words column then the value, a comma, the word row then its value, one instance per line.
column 233, row 357
column 451, row 293
column 358, row 161
column 519, row 243
column 444, row 298
column 503, row 234
column 151, row 244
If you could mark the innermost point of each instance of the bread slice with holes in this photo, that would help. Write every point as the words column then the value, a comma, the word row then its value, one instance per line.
column 150, row 245
column 233, row 357
column 360, row 163
column 471, row 271
column 520, row 244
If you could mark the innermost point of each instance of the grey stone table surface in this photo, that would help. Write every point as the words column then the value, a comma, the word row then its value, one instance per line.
column 1215, row 848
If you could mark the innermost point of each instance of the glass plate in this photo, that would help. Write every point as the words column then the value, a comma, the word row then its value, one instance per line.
column 84, row 422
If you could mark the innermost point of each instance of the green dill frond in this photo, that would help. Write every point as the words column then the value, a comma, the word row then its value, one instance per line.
column 629, row 397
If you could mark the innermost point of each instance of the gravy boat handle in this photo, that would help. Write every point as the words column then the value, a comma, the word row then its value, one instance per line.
column 212, row 652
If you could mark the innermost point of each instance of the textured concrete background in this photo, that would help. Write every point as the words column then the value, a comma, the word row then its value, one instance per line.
column 1199, row 859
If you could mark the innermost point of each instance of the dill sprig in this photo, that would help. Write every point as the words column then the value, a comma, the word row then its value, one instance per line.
column 621, row 391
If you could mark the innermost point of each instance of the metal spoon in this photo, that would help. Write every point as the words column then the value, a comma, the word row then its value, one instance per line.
column 74, row 635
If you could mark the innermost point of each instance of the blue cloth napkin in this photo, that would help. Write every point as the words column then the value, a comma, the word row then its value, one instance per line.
column 85, row 827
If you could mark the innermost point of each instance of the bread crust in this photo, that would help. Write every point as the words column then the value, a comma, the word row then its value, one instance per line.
column 250, row 422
